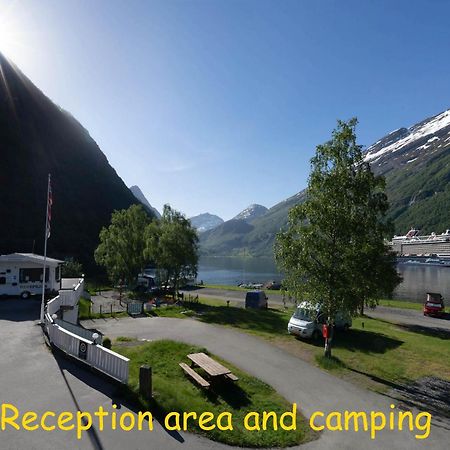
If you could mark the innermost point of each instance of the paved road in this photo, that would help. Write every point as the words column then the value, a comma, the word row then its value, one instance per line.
column 413, row 319
column 32, row 378
column 312, row 388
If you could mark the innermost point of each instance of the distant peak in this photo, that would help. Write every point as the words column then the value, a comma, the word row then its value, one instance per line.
column 251, row 213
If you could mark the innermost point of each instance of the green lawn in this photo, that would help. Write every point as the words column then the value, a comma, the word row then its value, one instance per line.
column 376, row 355
column 173, row 391
column 401, row 304
column 388, row 353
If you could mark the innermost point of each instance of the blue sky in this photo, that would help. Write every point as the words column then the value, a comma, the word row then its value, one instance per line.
column 214, row 105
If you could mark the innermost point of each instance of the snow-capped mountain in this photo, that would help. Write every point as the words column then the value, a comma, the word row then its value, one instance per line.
column 416, row 164
column 205, row 222
column 251, row 213
column 407, row 145
column 141, row 197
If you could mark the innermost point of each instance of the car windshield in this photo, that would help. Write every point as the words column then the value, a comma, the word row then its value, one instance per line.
column 304, row 314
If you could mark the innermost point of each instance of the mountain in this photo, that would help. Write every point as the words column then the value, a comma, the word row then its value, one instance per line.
column 205, row 222
column 416, row 164
column 37, row 137
column 251, row 213
column 141, row 197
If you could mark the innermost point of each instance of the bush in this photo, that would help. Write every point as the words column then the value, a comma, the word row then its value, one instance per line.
column 107, row 343
column 72, row 269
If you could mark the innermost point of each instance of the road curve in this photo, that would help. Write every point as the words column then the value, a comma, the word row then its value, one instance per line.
column 311, row 388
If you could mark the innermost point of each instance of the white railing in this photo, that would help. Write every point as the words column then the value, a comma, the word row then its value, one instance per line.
column 110, row 363
column 70, row 338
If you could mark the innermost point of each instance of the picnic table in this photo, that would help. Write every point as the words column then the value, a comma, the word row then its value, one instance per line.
column 213, row 369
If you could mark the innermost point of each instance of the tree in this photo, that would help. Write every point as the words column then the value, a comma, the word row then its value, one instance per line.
column 72, row 269
column 122, row 244
column 334, row 252
column 172, row 244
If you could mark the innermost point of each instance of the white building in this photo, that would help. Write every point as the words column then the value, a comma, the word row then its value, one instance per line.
column 21, row 274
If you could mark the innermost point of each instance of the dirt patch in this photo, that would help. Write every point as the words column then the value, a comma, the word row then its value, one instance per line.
column 431, row 394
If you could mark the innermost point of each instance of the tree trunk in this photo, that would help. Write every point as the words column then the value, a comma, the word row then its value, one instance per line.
column 361, row 309
column 328, row 342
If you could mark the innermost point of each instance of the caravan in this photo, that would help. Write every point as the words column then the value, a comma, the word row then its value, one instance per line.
column 21, row 274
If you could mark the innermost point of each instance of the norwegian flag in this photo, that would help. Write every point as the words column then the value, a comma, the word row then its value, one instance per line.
column 49, row 206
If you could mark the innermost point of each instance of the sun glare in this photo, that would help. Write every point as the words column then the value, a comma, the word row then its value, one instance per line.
column 9, row 38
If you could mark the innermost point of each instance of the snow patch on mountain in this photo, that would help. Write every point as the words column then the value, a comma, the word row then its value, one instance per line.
column 205, row 222
column 251, row 213
column 403, row 138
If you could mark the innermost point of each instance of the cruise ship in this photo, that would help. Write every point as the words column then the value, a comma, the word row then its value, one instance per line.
column 414, row 244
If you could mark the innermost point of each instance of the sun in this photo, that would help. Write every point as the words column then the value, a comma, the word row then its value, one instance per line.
column 10, row 41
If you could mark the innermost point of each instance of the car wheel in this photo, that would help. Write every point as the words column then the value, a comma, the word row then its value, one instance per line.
column 24, row 295
column 316, row 335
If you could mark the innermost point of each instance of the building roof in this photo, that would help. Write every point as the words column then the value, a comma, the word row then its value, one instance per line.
column 27, row 258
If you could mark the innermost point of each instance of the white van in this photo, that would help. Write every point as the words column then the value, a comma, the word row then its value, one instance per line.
column 21, row 274
column 307, row 321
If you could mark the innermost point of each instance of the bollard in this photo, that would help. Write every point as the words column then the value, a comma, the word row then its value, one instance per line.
column 100, row 309
column 145, row 382
column 111, row 309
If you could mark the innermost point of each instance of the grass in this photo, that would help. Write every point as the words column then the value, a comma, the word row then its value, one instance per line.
column 173, row 391
column 331, row 363
column 267, row 323
column 401, row 304
column 373, row 352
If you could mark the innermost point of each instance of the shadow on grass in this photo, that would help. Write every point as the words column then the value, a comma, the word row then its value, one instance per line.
column 269, row 321
column 440, row 333
column 229, row 392
column 365, row 341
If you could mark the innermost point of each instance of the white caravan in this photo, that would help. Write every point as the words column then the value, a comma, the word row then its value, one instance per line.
column 21, row 274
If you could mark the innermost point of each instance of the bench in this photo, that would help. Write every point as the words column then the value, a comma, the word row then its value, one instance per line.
column 232, row 377
column 195, row 376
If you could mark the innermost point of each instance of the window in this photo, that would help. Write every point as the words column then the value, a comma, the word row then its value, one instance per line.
column 2, row 280
column 32, row 275
column 58, row 273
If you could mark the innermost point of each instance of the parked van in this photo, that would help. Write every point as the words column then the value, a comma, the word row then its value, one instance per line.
column 21, row 274
column 256, row 299
column 307, row 321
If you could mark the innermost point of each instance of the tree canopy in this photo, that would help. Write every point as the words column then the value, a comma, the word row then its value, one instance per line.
column 122, row 244
column 334, row 252
column 172, row 244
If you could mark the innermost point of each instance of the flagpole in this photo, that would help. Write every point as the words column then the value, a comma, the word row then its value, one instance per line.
column 45, row 253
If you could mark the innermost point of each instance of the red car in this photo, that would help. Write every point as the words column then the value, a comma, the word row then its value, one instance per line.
column 434, row 305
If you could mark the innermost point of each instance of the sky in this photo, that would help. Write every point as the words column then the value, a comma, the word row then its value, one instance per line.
column 212, row 105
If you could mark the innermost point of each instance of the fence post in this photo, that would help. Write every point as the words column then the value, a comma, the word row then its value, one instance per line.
column 100, row 309
column 111, row 309
column 145, row 382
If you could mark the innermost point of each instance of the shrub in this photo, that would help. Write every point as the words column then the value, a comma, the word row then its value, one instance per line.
column 107, row 342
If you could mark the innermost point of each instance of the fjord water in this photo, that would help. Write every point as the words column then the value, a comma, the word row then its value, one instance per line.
column 417, row 280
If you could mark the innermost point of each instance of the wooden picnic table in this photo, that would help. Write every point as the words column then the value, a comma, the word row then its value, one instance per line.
column 211, row 367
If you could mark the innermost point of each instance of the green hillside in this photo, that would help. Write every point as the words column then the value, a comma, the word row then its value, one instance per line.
column 416, row 164
column 420, row 195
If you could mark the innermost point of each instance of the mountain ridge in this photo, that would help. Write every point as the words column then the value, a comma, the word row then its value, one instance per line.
column 137, row 192
column 37, row 137
column 416, row 164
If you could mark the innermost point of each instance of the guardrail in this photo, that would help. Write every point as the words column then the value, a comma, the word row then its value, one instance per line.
column 79, row 342
column 110, row 363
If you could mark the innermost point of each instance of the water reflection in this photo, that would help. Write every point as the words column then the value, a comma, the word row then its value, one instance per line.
column 417, row 280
